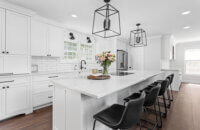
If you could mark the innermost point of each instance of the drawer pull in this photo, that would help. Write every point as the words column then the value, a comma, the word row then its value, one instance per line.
column 50, row 97
column 7, row 81
column 53, row 77
column 50, row 86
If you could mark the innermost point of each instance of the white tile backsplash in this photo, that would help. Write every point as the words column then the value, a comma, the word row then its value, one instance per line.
column 51, row 64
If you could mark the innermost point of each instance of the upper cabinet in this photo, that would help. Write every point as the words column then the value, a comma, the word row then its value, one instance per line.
column 38, row 38
column 17, row 33
column 56, row 41
column 46, row 40
column 14, row 42
column 2, row 30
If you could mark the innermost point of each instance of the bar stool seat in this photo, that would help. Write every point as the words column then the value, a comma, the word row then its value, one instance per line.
column 110, row 116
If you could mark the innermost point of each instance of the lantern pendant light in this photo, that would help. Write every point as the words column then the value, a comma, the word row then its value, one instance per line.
column 138, row 37
column 106, row 22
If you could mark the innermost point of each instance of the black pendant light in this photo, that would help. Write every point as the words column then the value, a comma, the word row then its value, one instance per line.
column 138, row 37
column 106, row 22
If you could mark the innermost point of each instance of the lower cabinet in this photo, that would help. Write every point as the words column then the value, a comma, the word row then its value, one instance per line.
column 42, row 98
column 14, row 97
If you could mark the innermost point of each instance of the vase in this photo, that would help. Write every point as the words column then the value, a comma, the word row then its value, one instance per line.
column 105, row 70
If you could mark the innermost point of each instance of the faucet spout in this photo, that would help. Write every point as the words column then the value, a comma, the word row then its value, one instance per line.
column 82, row 61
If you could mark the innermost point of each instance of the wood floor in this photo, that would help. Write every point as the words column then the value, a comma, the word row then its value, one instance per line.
column 183, row 115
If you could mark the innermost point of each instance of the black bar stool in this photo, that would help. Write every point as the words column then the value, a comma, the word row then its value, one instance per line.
column 150, row 100
column 163, row 89
column 122, row 117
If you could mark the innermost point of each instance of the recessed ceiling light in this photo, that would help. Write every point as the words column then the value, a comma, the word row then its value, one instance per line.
column 186, row 13
column 186, row 27
column 74, row 16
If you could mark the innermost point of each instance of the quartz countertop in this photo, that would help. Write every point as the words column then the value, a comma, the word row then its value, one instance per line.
column 101, row 88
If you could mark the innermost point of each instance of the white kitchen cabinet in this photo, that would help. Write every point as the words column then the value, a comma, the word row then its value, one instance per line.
column 17, row 33
column 16, row 98
column 16, row 64
column 46, row 40
column 38, row 38
column 1, row 64
column 56, row 41
column 2, row 30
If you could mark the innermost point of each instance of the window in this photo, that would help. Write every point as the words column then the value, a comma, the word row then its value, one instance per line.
column 70, row 50
column 86, row 52
column 192, row 61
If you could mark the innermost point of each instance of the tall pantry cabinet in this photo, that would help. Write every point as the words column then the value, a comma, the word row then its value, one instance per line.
column 14, row 42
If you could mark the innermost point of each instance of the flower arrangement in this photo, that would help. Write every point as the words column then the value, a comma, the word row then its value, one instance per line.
column 105, row 59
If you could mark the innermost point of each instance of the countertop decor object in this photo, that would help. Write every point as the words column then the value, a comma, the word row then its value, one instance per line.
column 103, row 18
column 105, row 59
column 100, row 77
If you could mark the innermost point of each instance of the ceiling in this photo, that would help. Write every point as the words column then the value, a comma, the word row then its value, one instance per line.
column 157, row 16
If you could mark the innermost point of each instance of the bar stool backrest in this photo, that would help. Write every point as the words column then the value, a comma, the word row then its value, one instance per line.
column 132, row 112
column 164, row 85
column 151, row 97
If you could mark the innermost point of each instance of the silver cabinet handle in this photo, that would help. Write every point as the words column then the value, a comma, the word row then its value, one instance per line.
column 53, row 77
column 50, row 97
column 50, row 86
column 7, row 81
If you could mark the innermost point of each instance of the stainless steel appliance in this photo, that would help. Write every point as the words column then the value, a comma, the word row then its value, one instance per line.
column 122, row 60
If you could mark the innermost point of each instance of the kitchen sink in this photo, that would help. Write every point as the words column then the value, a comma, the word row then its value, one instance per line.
column 121, row 73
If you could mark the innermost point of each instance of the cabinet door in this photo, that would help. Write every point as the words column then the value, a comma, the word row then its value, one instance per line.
column 16, row 64
column 38, row 38
column 17, row 33
column 16, row 99
column 2, row 31
column 1, row 64
column 2, row 101
column 56, row 41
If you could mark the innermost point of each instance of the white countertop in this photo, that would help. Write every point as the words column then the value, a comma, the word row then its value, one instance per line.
column 101, row 88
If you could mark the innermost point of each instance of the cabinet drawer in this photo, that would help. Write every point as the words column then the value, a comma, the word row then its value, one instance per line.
column 44, row 86
column 44, row 77
column 15, row 80
column 42, row 98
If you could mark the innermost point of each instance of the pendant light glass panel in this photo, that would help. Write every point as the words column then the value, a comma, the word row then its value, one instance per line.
column 106, row 22
column 138, row 37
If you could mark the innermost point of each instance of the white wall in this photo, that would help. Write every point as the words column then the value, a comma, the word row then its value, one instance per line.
column 179, row 61
column 146, row 58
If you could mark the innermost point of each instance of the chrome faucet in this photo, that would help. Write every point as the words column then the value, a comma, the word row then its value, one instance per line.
column 82, row 64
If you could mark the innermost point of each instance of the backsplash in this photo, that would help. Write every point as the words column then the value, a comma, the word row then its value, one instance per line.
column 51, row 64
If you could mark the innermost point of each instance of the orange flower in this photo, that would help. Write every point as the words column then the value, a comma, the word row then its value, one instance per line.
column 103, row 58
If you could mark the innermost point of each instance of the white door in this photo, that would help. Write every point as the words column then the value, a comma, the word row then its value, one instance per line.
column 16, row 98
column 38, row 38
column 2, row 31
column 17, row 33
column 56, row 41
column 16, row 64
column 1, row 64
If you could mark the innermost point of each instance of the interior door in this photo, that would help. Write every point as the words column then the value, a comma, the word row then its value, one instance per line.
column 2, row 31
column 56, row 41
column 1, row 64
column 16, row 98
column 17, row 33
column 16, row 64
column 38, row 38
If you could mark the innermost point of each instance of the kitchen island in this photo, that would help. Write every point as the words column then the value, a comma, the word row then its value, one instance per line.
column 76, row 100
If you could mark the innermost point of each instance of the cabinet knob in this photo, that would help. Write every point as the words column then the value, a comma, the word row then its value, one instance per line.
column 3, row 52
column 7, row 52
column 3, row 87
column 7, row 87
column 50, row 97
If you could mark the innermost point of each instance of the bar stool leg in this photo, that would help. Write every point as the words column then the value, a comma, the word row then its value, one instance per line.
column 169, row 98
column 94, row 124
column 165, row 106
column 156, row 124
column 159, row 114
column 171, row 93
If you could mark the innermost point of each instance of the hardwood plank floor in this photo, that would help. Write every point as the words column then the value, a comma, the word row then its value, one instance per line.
column 183, row 115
